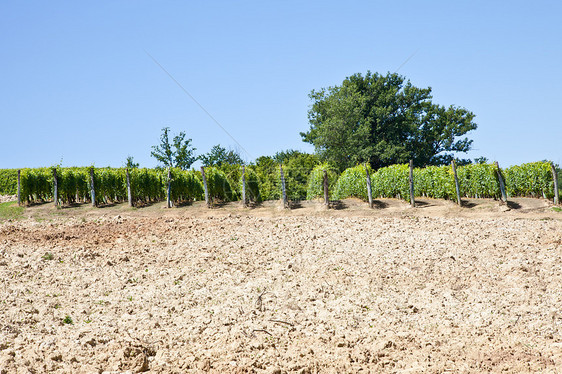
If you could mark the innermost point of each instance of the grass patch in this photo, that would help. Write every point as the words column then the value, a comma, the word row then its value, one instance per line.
column 10, row 210
column 557, row 209
column 48, row 256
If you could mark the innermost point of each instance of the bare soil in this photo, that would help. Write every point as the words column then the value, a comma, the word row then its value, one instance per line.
column 436, row 288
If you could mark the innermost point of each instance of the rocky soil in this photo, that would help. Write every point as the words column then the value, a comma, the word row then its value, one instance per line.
column 245, row 291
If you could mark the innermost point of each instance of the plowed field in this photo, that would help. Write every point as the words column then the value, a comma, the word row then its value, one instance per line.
column 394, row 289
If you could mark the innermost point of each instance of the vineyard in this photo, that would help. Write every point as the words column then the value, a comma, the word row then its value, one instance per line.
column 226, row 183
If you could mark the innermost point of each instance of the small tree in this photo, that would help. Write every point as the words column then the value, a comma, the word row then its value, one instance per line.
column 220, row 155
column 130, row 163
column 180, row 153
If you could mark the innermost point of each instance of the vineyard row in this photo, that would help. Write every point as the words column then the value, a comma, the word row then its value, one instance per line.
column 229, row 183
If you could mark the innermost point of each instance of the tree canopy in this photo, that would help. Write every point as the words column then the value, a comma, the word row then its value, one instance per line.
column 180, row 153
column 220, row 155
column 385, row 120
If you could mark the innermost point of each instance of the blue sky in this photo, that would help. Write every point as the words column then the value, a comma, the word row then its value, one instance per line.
column 77, row 85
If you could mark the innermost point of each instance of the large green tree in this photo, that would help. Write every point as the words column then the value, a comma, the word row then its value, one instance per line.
column 385, row 120
column 179, row 153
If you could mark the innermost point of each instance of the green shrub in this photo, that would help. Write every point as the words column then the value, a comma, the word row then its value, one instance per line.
column 392, row 181
column 233, row 173
column 252, row 184
column 72, row 184
column 185, row 186
column 531, row 179
column 437, row 182
column 147, row 185
column 8, row 181
column 316, row 181
column 479, row 181
column 297, row 170
column 218, row 185
column 353, row 183
column 267, row 171
column 37, row 185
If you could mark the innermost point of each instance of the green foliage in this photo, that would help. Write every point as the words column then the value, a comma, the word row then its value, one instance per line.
column 218, row 185
column 37, row 185
column 73, row 184
column 147, row 185
column 185, row 186
column 297, row 167
column 532, row 179
column 263, row 182
column 252, row 185
column 68, row 320
column 8, row 181
column 315, row 187
column 392, row 181
column 233, row 173
column 10, row 210
column 479, row 181
column 178, row 154
column 384, row 120
column 437, row 182
column 48, row 256
column 267, row 171
column 130, row 163
column 219, row 156
column 110, row 185
column 353, row 183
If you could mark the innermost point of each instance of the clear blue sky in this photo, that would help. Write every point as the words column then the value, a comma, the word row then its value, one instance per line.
column 77, row 85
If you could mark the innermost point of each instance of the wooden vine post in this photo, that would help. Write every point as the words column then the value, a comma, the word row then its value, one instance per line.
column 326, row 197
column 56, row 189
column 555, row 179
column 129, row 196
column 502, row 185
column 283, row 189
column 92, row 189
column 169, row 189
column 412, row 200
column 369, row 190
column 19, row 187
column 207, row 202
column 243, row 186
column 457, row 188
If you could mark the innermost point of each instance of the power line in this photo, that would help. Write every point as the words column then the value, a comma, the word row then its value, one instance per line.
column 197, row 102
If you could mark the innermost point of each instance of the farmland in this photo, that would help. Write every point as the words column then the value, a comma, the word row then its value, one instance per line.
column 395, row 289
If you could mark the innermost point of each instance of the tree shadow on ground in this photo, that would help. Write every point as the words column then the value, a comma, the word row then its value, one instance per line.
column 513, row 205
column 295, row 204
column 337, row 205
column 468, row 204
column 144, row 204
column 377, row 204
